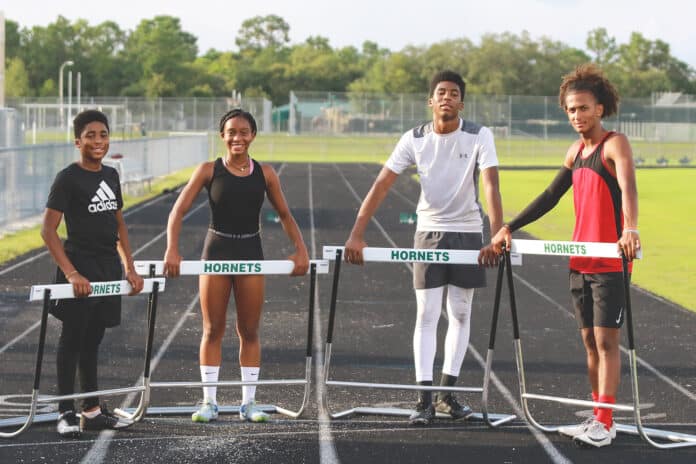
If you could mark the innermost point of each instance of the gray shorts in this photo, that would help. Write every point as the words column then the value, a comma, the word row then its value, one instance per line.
column 598, row 299
column 433, row 275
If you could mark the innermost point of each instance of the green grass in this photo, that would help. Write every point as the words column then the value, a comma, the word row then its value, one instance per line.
column 669, row 255
column 16, row 244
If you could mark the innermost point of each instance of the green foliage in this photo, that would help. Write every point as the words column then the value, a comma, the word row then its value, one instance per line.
column 16, row 79
column 158, row 58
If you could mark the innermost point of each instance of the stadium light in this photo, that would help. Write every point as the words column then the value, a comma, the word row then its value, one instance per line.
column 60, row 88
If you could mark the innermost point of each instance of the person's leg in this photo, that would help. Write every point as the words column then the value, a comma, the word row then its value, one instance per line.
column 459, row 301
column 88, row 363
column 248, row 297
column 429, row 306
column 609, row 370
column 215, row 295
column 67, row 356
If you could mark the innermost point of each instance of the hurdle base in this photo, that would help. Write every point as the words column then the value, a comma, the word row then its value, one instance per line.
column 188, row 410
column 403, row 412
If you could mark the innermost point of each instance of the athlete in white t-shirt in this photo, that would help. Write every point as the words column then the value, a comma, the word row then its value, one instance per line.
column 449, row 154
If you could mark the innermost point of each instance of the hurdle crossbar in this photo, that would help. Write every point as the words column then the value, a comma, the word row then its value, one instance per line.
column 396, row 255
column 218, row 267
column 236, row 268
column 65, row 291
column 606, row 250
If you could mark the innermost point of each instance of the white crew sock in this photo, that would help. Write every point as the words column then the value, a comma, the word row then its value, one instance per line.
column 249, row 374
column 210, row 374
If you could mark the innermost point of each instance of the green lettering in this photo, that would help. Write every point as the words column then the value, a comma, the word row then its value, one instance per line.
column 395, row 254
column 257, row 267
column 445, row 256
column 584, row 249
column 547, row 248
column 207, row 267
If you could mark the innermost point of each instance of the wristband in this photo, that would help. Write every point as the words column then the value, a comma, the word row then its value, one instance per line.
column 631, row 230
column 69, row 274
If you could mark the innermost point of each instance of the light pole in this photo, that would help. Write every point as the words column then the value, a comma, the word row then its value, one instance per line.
column 60, row 89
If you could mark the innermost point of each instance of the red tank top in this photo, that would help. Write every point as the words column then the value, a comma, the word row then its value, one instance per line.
column 598, row 211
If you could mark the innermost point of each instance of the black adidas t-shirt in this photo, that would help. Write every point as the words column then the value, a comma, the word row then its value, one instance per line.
column 89, row 201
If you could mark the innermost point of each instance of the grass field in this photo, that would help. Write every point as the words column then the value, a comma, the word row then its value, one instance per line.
column 665, row 201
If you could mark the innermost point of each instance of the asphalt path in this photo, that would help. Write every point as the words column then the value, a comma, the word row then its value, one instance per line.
column 371, row 343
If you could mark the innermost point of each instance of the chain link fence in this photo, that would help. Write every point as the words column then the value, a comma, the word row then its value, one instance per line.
column 26, row 173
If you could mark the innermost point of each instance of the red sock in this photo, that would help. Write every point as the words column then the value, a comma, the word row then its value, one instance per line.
column 604, row 415
column 595, row 397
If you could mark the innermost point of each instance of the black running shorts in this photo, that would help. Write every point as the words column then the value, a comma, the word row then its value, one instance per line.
column 429, row 275
column 598, row 299
column 220, row 247
column 96, row 269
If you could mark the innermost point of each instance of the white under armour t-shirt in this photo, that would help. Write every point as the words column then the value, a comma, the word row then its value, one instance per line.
column 449, row 167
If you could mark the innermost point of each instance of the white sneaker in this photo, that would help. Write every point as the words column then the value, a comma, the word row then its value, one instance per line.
column 596, row 435
column 573, row 431
column 250, row 413
column 206, row 413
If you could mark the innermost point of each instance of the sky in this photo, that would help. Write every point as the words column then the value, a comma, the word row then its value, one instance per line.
column 392, row 24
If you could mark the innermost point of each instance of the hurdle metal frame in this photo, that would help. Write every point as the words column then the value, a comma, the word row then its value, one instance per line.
column 587, row 249
column 373, row 254
column 224, row 268
column 62, row 291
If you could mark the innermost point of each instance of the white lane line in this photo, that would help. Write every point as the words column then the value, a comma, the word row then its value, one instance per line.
column 97, row 452
column 135, row 253
column 554, row 453
column 327, row 447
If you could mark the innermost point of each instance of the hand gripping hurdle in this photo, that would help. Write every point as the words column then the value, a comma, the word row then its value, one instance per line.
column 587, row 249
column 399, row 255
column 64, row 291
column 283, row 267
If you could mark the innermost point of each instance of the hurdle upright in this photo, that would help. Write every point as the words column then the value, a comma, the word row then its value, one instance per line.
column 586, row 249
column 398, row 255
column 262, row 267
column 65, row 291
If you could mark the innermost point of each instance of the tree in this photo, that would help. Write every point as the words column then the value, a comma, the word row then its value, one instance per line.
column 602, row 45
column 262, row 32
column 12, row 39
column 17, row 79
column 159, row 51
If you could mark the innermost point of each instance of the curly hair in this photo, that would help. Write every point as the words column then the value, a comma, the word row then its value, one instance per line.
column 589, row 78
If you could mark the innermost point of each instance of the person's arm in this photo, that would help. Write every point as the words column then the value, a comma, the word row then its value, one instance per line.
column 198, row 180
column 378, row 191
column 540, row 205
column 124, row 250
column 494, row 205
column 277, row 199
column 618, row 151
column 49, row 234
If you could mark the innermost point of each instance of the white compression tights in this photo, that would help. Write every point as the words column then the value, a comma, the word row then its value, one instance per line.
column 429, row 304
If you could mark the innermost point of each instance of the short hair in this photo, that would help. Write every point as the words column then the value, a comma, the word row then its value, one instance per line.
column 448, row 76
column 87, row 116
column 238, row 113
column 589, row 77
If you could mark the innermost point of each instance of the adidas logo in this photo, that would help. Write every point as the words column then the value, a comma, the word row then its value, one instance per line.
column 104, row 200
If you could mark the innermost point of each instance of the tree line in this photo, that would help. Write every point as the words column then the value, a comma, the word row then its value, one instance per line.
column 159, row 59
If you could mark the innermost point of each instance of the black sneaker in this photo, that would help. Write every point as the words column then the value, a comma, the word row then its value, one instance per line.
column 68, row 425
column 423, row 414
column 450, row 406
column 105, row 420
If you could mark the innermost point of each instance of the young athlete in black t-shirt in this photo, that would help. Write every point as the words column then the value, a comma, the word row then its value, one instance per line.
column 88, row 195
column 236, row 187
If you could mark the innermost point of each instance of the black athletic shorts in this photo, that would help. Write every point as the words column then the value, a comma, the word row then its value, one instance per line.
column 598, row 299
column 96, row 269
column 237, row 247
column 433, row 275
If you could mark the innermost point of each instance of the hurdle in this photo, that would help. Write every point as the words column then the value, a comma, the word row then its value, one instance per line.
column 399, row 255
column 586, row 249
column 64, row 291
column 279, row 267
